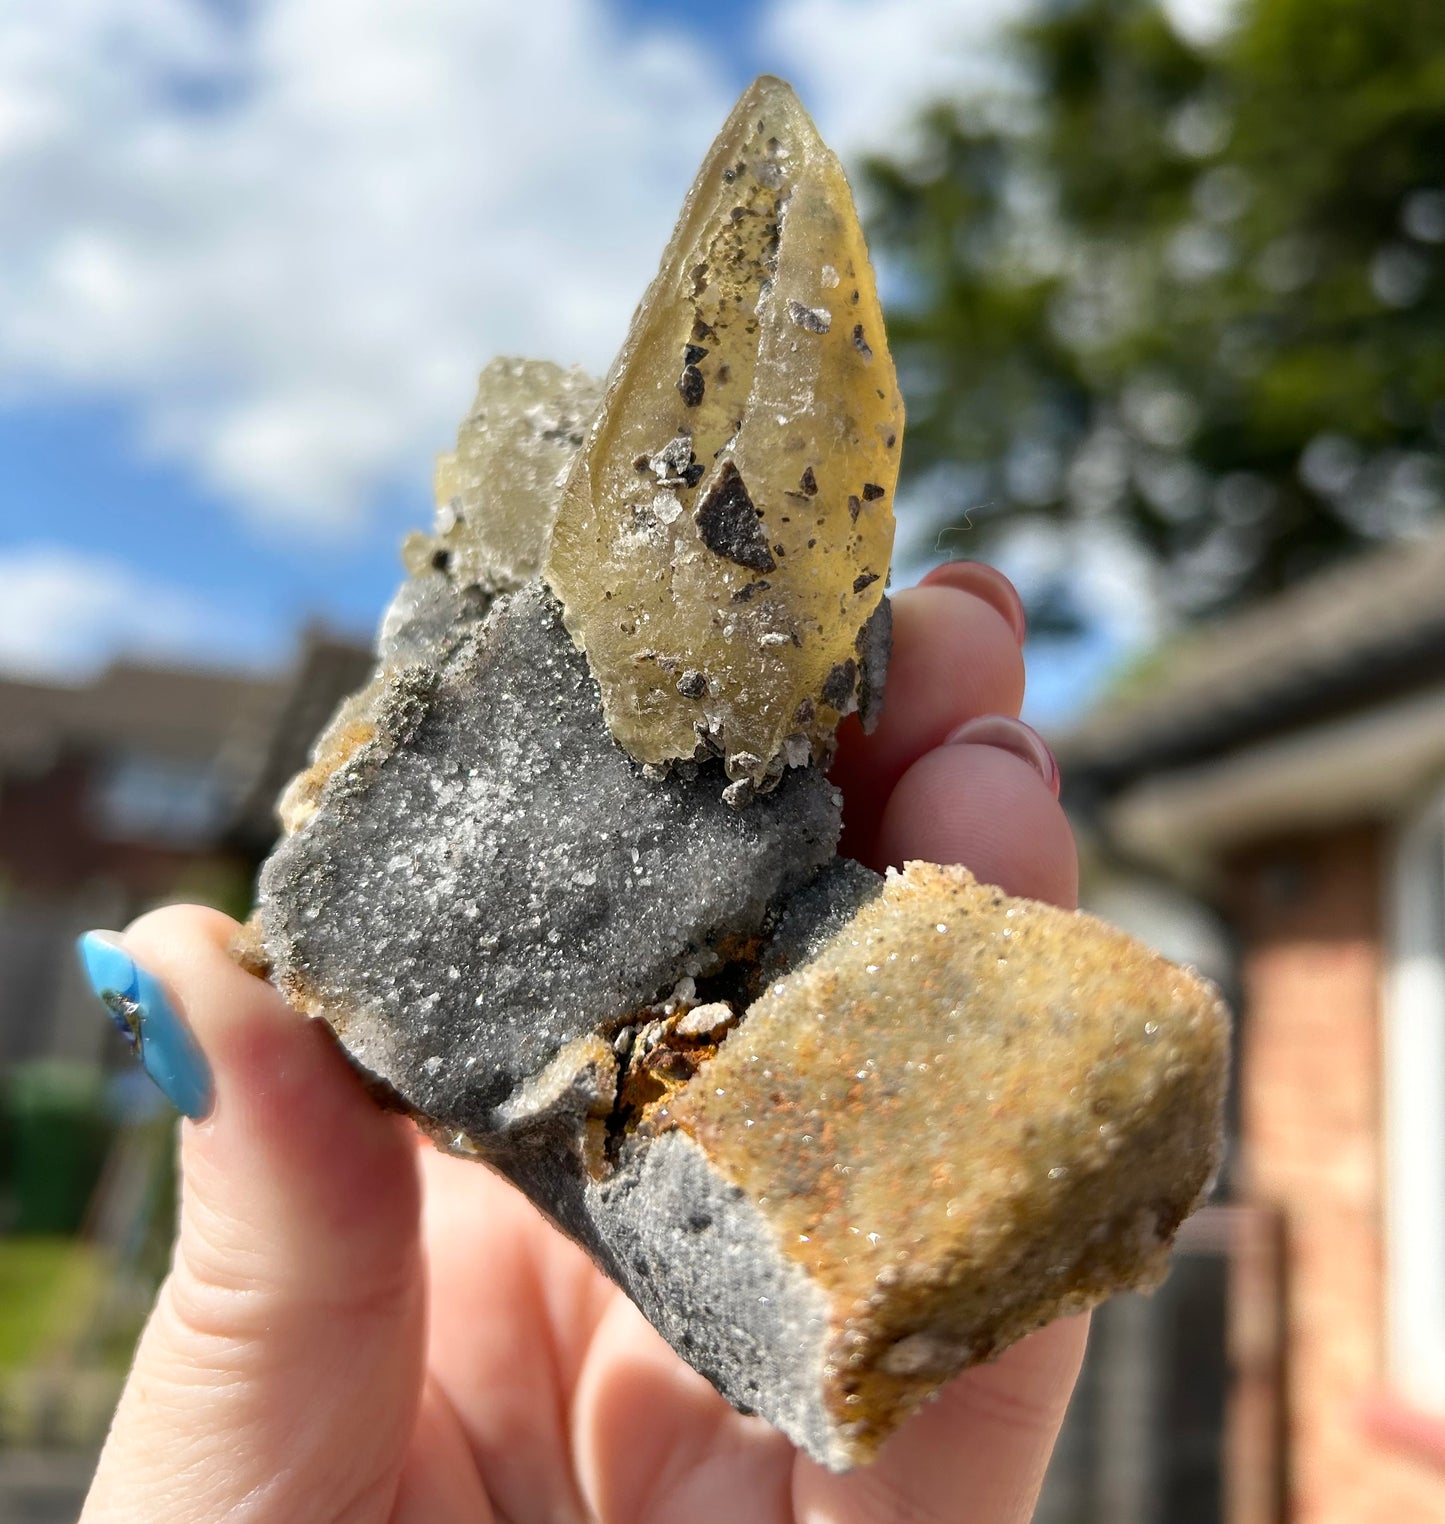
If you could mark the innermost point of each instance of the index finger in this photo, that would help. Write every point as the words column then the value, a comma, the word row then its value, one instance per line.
column 955, row 657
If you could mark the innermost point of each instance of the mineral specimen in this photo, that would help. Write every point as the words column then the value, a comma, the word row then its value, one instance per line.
column 562, row 876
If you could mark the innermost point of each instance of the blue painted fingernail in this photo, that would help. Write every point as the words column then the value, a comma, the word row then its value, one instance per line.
column 157, row 1034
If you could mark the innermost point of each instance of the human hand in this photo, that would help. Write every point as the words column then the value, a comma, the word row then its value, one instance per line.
column 358, row 1328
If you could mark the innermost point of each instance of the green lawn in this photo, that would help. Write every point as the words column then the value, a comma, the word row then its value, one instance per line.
column 48, row 1287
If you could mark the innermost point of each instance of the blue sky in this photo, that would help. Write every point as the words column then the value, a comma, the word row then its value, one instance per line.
column 257, row 250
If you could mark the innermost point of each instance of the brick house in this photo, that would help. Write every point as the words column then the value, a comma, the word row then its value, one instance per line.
column 147, row 784
column 1288, row 768
column 1288, row 773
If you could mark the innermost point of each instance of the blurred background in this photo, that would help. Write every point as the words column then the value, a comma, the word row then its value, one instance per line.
column 1166, row 284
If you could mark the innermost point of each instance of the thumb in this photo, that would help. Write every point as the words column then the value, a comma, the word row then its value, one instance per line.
column 279, row 1373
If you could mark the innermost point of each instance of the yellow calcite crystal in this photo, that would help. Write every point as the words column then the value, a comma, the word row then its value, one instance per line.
column 497, row 492
column 725, row 533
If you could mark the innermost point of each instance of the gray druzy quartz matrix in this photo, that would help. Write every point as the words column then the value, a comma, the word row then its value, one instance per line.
column 562, row 877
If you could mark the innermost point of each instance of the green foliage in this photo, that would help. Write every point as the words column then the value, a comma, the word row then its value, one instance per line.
column 47, row 1287
column 1198, row 293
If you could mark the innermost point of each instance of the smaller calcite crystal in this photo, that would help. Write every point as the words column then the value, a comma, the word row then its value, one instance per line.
column 497, row 492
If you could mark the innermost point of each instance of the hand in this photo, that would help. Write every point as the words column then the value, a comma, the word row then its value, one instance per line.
column 357, row 1328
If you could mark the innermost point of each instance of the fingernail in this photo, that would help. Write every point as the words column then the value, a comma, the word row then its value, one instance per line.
column 986, row 582
column 155, row 1030
column 1008, row 734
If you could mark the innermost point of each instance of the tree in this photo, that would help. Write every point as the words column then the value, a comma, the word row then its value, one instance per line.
column 1196, row 292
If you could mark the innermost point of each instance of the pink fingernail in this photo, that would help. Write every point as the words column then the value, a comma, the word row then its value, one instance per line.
column 985, row 582
column 1007, row 734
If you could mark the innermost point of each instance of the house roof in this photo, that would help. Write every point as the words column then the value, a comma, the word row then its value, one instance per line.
column 176, row 713
column 327, row 671
column 250, row 733
column 1369, row 631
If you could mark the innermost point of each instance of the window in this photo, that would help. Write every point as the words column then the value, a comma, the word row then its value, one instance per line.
column 157, row 800
column 1414, row 1073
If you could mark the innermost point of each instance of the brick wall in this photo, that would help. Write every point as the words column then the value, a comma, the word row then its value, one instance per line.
column 50, row 847
column 59, row 876
column 1309, row 915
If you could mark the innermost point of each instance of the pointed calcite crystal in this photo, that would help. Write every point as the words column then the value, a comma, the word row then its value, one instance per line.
column 562, row 876
column 725, row 533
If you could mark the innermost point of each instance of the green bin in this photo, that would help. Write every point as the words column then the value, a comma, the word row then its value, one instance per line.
column 56, row 1132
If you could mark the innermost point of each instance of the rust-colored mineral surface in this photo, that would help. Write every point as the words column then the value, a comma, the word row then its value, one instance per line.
column 966, row 1115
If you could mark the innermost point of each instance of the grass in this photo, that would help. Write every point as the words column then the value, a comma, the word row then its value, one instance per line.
column 48, row 1288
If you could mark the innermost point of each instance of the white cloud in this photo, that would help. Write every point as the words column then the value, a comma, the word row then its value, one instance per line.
column 64, row 614
column 866, row 68
column 293, row 242
column 290, row 241
column 1202, row 22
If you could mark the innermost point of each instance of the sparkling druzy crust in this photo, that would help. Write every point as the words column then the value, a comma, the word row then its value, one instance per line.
column 488, row 877
column 562, row 876
column 964, row 1115
column 724, row 536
